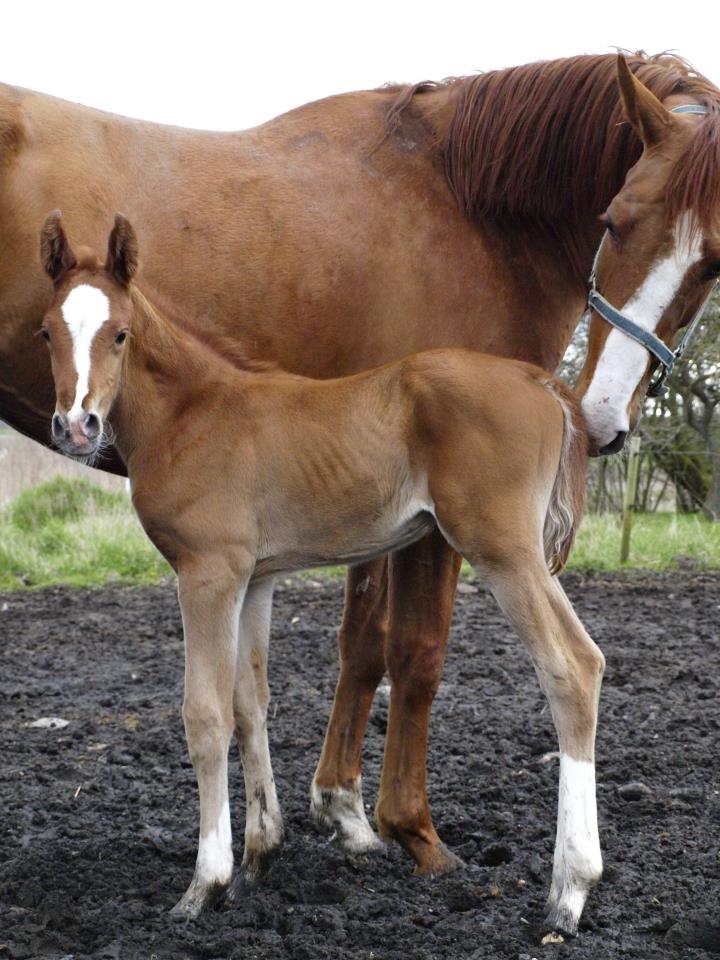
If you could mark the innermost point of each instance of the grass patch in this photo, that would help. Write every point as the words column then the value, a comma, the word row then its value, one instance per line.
column 660, row 541
column 74, row 532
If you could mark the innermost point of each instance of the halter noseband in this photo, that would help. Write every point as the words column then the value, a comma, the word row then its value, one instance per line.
column 654, row 345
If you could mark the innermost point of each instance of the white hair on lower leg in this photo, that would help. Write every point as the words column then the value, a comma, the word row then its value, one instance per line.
column 215, row 856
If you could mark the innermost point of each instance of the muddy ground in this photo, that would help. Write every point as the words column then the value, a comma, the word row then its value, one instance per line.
column 98, row 826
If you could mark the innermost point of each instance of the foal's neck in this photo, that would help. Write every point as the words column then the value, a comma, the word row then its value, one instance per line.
column 167, row 372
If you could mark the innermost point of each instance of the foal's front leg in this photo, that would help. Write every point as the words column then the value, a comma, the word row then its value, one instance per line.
column 263, row 820
column 210, row 597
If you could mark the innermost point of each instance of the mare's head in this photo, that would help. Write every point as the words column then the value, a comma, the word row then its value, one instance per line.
column 86, row 327
column 659, row 257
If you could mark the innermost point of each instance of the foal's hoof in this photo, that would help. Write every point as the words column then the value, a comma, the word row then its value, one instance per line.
column 252, row 872
column 198, row 897
column 559, row 919
column 437, row 862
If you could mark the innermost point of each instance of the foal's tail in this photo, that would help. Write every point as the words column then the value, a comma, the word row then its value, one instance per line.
column 567, row 500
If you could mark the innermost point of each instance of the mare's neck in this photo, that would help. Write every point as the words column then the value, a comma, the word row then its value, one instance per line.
column 166, row 374
column 545, row 258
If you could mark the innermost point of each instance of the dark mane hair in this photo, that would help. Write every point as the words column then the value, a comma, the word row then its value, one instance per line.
column 546, row 143
column 221, row 346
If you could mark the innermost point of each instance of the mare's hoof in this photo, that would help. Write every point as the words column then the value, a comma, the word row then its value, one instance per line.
column 197, row 898
column 341, row 810
column 438, row 862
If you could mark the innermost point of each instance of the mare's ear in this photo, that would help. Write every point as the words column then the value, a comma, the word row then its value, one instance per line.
column 122, row 254
column 648, row 116
column 55, row 251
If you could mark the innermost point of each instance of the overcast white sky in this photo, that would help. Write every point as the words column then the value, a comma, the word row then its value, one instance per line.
column 228, row 65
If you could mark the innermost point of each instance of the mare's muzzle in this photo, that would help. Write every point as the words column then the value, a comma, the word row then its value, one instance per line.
column 616, row 445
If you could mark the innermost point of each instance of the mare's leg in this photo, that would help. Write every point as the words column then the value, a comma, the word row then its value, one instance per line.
column 423, row 578
column 336, row 795
column 263, row 821
column 210, row 598
column 570, row 668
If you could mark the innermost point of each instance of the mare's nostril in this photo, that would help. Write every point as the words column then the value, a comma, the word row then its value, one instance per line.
column 92, row 426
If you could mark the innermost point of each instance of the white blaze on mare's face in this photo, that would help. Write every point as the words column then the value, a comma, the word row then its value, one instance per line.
column 622, row 361
column 85, row 310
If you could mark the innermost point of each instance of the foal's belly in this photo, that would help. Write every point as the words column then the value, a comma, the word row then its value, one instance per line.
column 350, row 543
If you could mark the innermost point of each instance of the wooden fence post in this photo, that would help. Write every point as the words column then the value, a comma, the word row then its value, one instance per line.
column 629, row 497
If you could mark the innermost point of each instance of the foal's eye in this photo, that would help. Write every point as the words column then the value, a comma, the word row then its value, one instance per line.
column 120, row 338
column 712, row 271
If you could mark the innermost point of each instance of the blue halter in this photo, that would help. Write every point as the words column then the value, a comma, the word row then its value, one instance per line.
column 654, row 345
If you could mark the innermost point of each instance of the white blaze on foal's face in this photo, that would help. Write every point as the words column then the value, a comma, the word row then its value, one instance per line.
column 623, row 361
column 85, row 309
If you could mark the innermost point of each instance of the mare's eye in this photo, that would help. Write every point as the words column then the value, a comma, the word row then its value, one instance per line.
column 46, row 334
column 712, row 271
column 120, row 338
column 611, row 228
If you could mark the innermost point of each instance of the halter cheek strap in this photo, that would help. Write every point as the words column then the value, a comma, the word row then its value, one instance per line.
column 646, row 338
column 697, row 108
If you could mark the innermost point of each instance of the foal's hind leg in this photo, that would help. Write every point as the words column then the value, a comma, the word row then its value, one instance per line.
column 210, row 595
column 570, row 667
column 336, row 794
column 263, row 822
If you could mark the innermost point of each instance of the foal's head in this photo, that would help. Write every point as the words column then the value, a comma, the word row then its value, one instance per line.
column 660, row 253
column 86, row 327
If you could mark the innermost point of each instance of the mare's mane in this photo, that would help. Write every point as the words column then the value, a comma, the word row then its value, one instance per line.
column 546, row 144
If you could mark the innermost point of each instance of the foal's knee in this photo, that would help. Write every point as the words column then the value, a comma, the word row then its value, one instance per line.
column 207, row 729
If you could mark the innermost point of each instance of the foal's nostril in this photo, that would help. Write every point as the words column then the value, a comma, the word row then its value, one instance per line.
column 59, row 427
column 91, row 424
column 615, row 445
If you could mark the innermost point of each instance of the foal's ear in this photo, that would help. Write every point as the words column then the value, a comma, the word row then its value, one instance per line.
column 122, row 254
column 55, row 251
column 648, row 116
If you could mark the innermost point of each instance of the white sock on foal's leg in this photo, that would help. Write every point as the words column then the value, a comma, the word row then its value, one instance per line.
column 578, row 862
column 215, row 856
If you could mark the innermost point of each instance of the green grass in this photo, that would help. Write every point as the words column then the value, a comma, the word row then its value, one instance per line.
column 660, row 541
column 73, row 532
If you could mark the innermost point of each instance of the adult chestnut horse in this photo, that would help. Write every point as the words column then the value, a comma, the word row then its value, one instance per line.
column 339, row 236
column 241, row 471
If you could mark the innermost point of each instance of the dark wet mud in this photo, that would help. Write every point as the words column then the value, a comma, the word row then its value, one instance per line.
column 99, row 819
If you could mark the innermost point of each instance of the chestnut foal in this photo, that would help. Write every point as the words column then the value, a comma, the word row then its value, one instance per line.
column 240, row 471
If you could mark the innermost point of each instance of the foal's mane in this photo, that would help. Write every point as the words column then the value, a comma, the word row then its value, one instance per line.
column 158, row 307
column 547, row 144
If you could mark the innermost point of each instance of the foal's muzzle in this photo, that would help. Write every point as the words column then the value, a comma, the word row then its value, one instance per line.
column 77, row 436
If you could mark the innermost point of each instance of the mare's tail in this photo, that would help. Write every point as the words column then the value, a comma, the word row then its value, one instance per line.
column 567, row 500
